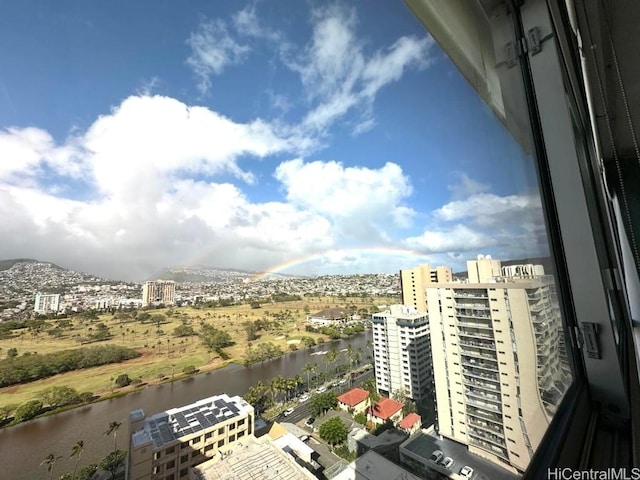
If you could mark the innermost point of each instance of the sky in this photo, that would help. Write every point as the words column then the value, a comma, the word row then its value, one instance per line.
column 293, row 136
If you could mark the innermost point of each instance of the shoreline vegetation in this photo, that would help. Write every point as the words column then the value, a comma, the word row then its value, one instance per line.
column 170, row 344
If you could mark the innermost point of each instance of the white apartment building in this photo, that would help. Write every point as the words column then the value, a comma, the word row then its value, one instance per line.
column 402, row 352
column 413, row 282
column 159, row 292
column 46, row 303
column 167, row 445
column 500, row 368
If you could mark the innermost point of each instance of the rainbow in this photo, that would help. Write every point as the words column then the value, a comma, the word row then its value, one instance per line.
column 379, row 251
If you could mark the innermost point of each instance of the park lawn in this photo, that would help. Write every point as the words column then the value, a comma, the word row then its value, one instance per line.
column 163, row 354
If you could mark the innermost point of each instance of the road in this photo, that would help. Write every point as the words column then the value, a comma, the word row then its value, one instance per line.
column 303, row 410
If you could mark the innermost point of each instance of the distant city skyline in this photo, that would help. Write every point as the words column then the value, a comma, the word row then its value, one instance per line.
column 296, row 137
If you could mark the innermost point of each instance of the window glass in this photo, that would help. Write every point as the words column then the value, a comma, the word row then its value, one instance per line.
column 241, row 180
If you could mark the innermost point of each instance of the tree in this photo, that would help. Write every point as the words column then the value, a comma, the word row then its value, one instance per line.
column 323, row 402
column 122, row 380
column 12, row 353
column 360, row 418
column 113, row 430
column 333, row 431
column 76, row 451
column 370, row 386
column 113, row 462
column 330, row 358
column 59, row 396
column 183, row 331
column 28, row 410
column 309, row 368
column 50, row 461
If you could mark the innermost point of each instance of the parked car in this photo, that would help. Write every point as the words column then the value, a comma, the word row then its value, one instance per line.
column 304, row 398
column 288, row 412
column 466, row 472
column 436, row 456
column 447, row 462
column 343, row 381
column 321, row 389
column 309, row 422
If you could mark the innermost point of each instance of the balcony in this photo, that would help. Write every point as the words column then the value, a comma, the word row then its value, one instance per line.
column 483, row 396
column 490, row 427
column 480, row 384
column 464, row 332
column 480, row 294
column 470, row 313
column 487, row 437
column 478, row 354
column 476, row 344
column 484, row 415
column 463, row 322
column 494, row 449
column 472, row 372
column 474, row 402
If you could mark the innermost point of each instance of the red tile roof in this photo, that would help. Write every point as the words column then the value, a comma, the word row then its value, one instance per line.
column 410, row 420
column 385, row 408
column 353, row 397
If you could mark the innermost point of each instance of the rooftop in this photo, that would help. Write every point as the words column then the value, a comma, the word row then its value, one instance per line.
column 410, row 420
column 385, row 408
column 331, row 313
column 372, row 466
column 170, row 425
column 353, row 397
column 252, row 460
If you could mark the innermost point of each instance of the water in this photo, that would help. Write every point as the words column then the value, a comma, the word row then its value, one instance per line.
column 23, row 447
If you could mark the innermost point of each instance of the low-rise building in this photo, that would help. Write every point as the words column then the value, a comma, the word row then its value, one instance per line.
column 386, row 409
column 329, row 317
column 372, row 466
column 355, row 400
column 252, row 459
column 411, row 423
column 165, row 446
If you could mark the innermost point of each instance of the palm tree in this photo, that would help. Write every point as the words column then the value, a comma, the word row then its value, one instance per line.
column 113, row 430
column 50, row 460
column 309, row 368
column 76, row 451
column 330, row 357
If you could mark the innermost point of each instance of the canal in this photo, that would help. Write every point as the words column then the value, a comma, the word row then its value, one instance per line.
column 24, row 446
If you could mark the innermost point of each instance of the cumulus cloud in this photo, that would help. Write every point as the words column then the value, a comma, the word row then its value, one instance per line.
column 508, row 226
column 150, row 166
column 361, row 201
column 26, row 151
column 212, row 50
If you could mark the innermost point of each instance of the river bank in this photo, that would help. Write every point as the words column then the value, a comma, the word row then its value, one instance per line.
column 21, row 446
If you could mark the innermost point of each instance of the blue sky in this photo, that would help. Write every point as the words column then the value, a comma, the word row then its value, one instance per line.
column 135, row 135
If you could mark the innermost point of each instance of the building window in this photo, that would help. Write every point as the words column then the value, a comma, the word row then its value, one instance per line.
column 184, row 472
column 170, row 450
column 184, row 458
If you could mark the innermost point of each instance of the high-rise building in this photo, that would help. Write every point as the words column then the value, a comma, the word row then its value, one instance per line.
column 159, row 292
column 166, row 445
column 499, row 360
column 413, row 282
column 46, row 303
column 402, row 354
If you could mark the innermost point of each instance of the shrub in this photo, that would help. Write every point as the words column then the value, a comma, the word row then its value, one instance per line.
column 123, row 380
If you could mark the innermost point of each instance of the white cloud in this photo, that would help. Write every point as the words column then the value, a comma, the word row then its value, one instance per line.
column 24, row 151
column 489, row 210
column 212, row 50
column 361, row 202
column 458, row 238
column 339, row 76
column 156, row 137
column 247, row 23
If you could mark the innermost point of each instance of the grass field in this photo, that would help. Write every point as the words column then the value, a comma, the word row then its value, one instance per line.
column 163, row 354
